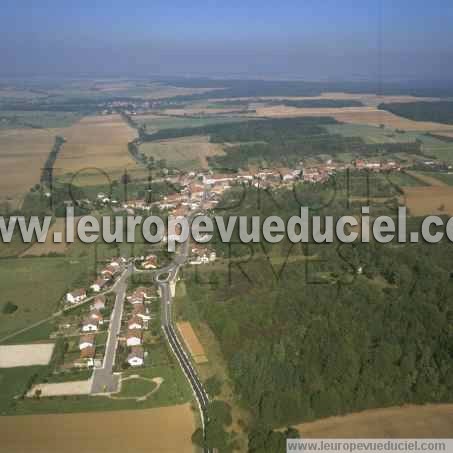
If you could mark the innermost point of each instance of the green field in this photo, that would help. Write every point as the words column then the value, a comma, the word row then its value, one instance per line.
column 38, row 119
column 371, row 135
column 154, row 123
column 447, row 178
column 13, row 383
column 15, row 247
column 134, row 388
column 183, row 153
column 36, row 285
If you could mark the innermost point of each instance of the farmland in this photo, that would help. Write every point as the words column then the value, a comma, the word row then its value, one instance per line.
column 36, row 119
column 23, row 153
column 358, row 115
column 158, row 122
column 49, row 246
column 164, row 429
column 183, row 153
column 433, row 200
column 35, row 286
column 97, row 142
column 430, row 421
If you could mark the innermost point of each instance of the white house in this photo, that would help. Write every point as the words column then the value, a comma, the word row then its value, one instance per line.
column 86, row 341
column 136, row 356
column 134, row 338
column 76, row 296
column 90, row 325
column 135, row 298
column 98, row 284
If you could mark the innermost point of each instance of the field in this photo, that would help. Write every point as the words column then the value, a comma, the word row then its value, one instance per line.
column 36, row 119
column 94, row 145
column 35, row 285
column 23, row 153
column 155, row 122
column 25, row 355
column 431, row 421
column 14, row 382
column 433, row 200
column 427, row 179
column 432, row 146
column 166, row 429
column 192, row 342
column 358, row 115
column 44, row 248
column 187, row 152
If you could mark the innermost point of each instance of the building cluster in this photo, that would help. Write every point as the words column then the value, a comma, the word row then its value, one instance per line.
column 137, row 322
column 90, row 326
column 376, row 165
column 106, row 277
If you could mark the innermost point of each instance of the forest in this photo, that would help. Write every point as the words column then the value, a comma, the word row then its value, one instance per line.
column 329, row 329
column 436, row 111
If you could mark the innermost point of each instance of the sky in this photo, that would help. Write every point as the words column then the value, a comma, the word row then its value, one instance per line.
column 303, row 39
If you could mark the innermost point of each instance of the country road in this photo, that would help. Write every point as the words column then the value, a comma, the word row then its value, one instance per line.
column 170, row 272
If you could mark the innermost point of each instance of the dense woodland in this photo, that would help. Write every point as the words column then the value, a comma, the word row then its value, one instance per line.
column 306, row 339
column 438, row 112
column 318, row 103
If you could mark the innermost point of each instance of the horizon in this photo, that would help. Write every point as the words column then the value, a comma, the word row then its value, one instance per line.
column 406, row 41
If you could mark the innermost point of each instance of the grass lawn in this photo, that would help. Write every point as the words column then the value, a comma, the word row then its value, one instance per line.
column 36, row 285
column 174, row 390
column 14, row 382
column 82, row 375
column 38, row 333
column 137, row 387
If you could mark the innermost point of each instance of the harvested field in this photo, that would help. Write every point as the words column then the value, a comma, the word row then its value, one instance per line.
column 44, row 248
column 96, row 142
column 192, row 342
column 187, row 152
column 433, row 200
column 430, row 421
column 62, row 388
column 25, row 355
column 358, row 115
column 23, row 152
column 165, row 429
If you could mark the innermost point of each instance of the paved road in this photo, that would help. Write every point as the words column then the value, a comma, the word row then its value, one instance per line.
column 103, row 378
column 164, row 277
